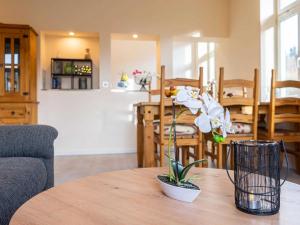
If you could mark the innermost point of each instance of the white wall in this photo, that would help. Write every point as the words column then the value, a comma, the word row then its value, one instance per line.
column 240, row 53
column 97, row 121
column 165, row 18
column 100, row 121
column 91, row 122
column 129, row 55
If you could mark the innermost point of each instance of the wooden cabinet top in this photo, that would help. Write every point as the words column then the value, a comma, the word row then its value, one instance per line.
column 17, row 26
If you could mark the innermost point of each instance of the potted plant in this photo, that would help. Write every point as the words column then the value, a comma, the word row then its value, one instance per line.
column 212, row 118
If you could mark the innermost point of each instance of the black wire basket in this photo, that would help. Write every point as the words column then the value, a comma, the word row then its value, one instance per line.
column 257, row 176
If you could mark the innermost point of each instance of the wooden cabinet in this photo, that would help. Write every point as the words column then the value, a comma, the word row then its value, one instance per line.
column 18, row 99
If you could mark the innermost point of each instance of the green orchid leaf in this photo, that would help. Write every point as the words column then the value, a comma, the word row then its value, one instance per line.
column 180, row 169
column 194, row 177
column 188, row 167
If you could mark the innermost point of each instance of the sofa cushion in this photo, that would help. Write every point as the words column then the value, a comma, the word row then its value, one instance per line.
column 20, row 179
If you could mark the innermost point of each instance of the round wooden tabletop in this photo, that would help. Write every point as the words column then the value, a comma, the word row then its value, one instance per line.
column 133, row 197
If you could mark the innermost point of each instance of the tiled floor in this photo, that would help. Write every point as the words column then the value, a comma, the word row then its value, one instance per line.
column 68, row 168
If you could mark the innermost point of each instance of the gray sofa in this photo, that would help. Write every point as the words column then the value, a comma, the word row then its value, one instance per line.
column 26, row 165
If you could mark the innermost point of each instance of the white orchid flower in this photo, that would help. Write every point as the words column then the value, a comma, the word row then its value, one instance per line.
column 207, row 123
column 203, row 122
column 226, row 126
column 189, row 97
column 216, row 122
column 211, row 106
column 211, row 116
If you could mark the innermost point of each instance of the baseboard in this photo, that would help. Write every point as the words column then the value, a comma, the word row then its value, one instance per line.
column 72, row 152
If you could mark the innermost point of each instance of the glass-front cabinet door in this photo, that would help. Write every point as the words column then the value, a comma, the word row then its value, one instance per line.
column 11, row 65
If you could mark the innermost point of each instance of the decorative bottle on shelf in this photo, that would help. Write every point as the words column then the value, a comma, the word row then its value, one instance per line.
column 82, row 83
column 87, row 54
column 56, row 83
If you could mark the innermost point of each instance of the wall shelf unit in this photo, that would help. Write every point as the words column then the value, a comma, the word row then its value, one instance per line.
column 71, row 74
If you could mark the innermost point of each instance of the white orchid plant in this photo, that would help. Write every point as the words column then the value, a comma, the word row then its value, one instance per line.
column 212, row 118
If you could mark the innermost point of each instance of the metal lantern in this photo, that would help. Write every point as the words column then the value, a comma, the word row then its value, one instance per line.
column 257, row 176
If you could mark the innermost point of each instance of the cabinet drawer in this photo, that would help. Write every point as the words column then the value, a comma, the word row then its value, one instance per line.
column 14, row 114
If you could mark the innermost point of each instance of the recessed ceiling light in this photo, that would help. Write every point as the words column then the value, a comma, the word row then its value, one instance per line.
column 196, row 35
column 135, row 36
column 71, row 33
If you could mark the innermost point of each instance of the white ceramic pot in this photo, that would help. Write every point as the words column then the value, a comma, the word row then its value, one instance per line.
column 179, row 193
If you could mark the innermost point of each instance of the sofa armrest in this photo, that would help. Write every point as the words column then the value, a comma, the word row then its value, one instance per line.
column 27, row 141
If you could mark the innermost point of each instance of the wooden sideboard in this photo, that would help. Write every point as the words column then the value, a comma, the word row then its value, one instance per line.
column 18, row 98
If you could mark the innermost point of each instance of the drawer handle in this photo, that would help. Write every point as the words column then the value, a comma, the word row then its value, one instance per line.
column 13, row 113
column 25, row 93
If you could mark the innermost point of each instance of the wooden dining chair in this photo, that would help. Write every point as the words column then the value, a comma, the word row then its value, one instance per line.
column 243, row 112
column 283, row 118
column 188, row 135
column 153, row 92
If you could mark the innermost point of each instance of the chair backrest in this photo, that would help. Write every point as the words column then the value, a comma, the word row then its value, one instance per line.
column 293, row 114
column 283, row 84
column 166, row 114
column 174, row 82
column 152, row 93
column 236, row 103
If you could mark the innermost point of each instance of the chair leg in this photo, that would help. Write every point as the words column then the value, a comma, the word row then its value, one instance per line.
column 219, row 156
column 204, row 156
column 213, row 150
column 162, row 155
column 199, row 154
column 224, row 156
column 156, row 153
column 231, row 160
column 185, row 155
column 297, row 159
column 196, row 152
column 224, row 152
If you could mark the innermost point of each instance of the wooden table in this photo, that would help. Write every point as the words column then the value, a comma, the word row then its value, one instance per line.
column 146, row 113
column 133, row 197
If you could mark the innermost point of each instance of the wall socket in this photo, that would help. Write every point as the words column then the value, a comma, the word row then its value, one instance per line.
column 105, row 84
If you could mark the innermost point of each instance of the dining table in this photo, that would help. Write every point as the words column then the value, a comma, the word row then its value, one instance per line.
column 147, row 113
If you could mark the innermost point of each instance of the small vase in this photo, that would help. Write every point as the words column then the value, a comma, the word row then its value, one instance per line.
column 178, row 192
column 143, row 81
column 143, row 87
